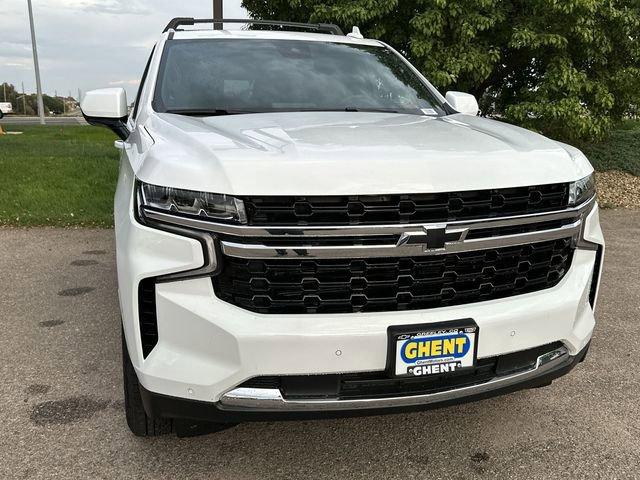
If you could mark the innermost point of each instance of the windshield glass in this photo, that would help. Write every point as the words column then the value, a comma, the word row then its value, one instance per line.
column 260, row 75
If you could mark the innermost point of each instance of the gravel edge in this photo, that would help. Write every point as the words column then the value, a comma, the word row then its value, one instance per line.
column 618, row 189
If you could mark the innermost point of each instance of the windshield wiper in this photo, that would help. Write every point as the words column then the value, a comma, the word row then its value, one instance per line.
column 211, row 112
column 381, row 110
column 206, row 112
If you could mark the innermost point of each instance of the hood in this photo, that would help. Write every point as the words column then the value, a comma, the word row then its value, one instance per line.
column 342, row 153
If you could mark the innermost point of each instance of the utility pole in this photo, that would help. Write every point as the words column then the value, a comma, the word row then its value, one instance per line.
column 217, row 13
column 36, row 65
column 4, row 88
column 24, row 100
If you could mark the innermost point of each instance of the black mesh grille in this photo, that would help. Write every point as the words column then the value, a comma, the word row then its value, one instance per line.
column 350, row 386
column 147, row 314
column 379, row 385
column 413, row 208
column 387, row 284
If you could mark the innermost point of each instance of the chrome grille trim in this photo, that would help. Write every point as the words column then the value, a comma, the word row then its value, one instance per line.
column 361, row 230
column 241, row 250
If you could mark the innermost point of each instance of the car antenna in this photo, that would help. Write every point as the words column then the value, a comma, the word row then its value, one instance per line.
column 355, row 33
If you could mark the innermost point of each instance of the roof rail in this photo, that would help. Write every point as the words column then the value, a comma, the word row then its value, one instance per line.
column 320, row 27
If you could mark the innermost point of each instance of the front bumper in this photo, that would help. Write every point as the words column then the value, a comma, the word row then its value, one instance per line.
column 207, row 347
column 264, row 404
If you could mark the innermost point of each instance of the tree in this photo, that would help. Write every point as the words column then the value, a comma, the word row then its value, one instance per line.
column 567, row 68
column 51, row 104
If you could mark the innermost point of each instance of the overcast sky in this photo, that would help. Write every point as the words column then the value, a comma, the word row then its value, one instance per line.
column 87, row 44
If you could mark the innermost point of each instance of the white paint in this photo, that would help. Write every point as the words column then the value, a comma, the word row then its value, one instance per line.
column 463, row 102
column 105, row 103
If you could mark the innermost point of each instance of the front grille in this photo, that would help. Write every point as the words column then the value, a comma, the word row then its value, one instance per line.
column 365, row 385
column 283, row 286
column 412, row 208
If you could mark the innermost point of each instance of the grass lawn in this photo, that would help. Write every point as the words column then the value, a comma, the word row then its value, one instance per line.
column 57, row 175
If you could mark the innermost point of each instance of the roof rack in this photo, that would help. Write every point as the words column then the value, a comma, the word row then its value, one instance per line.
column 320, row 27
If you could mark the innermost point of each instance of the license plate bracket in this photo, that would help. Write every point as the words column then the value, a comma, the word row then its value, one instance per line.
column 433, row 349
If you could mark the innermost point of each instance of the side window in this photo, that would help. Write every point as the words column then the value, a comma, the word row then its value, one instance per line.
column 141, row 87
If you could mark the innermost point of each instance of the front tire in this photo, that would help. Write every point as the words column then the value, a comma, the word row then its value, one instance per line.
column 140, row 424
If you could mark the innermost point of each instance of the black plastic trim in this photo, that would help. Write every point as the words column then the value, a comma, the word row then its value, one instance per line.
column 136, row 105
column 147, row 315
column 175, row 23
column 382, row 384
column 597, row 267
column 116, row 125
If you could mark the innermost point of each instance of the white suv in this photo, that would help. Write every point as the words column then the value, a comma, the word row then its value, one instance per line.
column 305, row 227
column 5, row 107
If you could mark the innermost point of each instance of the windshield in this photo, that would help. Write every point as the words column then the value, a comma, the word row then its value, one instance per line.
column 211, row 76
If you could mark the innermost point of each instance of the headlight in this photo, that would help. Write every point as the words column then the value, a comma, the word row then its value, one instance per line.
column 582, row 190
column 201, row 205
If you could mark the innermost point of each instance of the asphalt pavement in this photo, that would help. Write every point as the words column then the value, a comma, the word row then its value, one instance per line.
column 14, row 120
column 62, row 415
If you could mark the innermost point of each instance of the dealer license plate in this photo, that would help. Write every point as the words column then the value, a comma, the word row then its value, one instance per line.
column 435, row 349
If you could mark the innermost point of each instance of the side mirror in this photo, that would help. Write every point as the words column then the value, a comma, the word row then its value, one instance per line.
column 107, row 107
column 463, row 103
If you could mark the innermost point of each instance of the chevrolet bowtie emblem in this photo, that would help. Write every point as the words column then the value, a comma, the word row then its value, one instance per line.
column 433, row 237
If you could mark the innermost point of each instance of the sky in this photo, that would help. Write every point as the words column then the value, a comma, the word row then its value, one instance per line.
column 87, row 44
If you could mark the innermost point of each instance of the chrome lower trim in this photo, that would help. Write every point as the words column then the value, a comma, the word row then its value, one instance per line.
column 241, row 250
column 271, row 400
